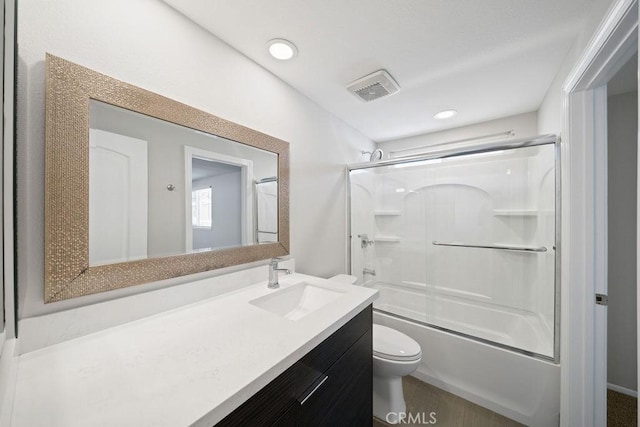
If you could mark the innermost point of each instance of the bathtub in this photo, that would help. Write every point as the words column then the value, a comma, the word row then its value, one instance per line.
column 506, row 326
column 516, row 385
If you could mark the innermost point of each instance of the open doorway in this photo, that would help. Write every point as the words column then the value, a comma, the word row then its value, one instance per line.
column 216, row 205
column 219, row 206
column 585, row 208
column 622, row 172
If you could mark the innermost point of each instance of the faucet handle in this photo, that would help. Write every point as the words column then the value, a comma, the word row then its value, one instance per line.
column 274, row 261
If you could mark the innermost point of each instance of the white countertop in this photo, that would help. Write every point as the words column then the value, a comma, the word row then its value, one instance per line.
column 189, row 366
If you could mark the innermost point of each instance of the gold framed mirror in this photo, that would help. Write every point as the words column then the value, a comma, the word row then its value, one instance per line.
column 73, row 265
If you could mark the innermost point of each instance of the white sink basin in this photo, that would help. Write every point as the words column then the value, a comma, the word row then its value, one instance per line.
column 297, row 301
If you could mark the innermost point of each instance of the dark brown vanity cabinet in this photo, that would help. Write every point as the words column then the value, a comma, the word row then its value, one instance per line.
column 330, row 386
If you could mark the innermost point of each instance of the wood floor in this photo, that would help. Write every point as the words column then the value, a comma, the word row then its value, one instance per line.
column 449, row 410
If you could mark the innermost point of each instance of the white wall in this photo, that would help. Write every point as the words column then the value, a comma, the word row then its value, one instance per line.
column 622, row 192
column 148, row 44
column 550, row 112
column 524, row 125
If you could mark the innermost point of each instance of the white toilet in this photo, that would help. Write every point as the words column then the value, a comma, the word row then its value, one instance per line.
column 394, row 356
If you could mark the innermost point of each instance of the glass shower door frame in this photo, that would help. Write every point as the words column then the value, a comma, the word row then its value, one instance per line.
column 460, row 150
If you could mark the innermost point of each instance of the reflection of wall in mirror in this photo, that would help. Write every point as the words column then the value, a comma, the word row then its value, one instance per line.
column 166, row 142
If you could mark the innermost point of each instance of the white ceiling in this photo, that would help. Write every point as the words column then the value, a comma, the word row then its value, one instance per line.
column 201, row 168
column 487, row 59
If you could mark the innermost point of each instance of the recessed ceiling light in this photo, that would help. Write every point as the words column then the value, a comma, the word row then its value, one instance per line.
column 282, row 49
column 445, row 114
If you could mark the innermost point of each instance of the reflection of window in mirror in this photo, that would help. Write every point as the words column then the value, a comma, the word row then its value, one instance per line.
column 201, row 208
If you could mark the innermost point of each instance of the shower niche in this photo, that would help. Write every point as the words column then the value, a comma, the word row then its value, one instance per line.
column 463, row 241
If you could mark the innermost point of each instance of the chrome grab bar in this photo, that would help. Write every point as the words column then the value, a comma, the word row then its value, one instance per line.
column 503, row 247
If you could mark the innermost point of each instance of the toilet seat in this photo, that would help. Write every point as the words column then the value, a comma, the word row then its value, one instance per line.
column 394, row 345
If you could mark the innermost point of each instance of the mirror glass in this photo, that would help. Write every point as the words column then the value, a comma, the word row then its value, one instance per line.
column 141, row 188
column 158, row 189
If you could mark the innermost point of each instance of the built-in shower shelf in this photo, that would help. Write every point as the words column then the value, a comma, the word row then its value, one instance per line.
column 387, row 239
column 388, row 212
column 519, row 212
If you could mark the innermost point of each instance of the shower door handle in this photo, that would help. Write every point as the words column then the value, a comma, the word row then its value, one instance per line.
column 502, row 247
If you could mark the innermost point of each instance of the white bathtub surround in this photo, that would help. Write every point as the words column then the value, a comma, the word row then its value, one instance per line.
column 436, row 225
column 190, row 366
column 519, row 387
column 466, row 242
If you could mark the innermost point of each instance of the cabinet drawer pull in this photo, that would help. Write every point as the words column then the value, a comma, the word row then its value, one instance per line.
column 326, row 377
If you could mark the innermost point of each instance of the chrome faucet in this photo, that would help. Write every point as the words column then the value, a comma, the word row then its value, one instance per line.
column 273, row 273
column 365, row 241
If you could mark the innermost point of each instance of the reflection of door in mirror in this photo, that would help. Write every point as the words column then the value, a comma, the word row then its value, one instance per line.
column 218, row 192
column 118, row 189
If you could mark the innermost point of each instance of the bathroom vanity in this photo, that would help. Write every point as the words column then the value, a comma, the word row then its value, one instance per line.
column 331, row 384
column 298, row 355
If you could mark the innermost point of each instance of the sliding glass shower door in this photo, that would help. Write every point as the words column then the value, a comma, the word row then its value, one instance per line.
column 464, row 242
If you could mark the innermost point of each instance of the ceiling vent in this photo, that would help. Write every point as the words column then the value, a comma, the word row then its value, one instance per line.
column 375, row 85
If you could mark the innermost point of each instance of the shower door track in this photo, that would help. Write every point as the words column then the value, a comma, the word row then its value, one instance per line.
column 443, row 153
column 487, row 147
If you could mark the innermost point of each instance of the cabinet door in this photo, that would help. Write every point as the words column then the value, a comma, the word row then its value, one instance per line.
column 355, row 406
column 267, row 406
column 345, row 384
column 289, row 419
column 313, row 366
column 334, row 377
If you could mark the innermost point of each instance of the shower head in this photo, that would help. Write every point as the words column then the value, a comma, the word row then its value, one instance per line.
column 375, row 155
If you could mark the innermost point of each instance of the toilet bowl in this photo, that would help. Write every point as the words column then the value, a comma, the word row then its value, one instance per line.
column 394, row 356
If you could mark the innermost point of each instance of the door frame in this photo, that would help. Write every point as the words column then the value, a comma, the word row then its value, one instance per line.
column 246, row 188
column 584, row 220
